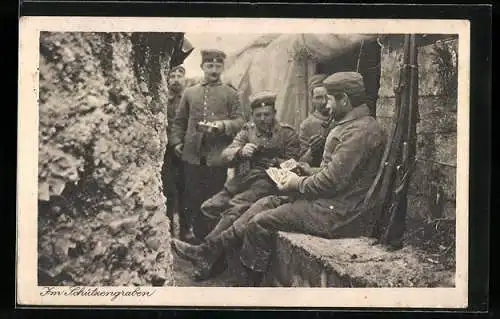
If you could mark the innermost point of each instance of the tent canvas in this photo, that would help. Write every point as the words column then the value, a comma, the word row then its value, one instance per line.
column 284, row 63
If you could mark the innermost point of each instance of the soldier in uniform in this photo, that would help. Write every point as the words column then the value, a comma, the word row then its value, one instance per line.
column 208, row 118
column 172, row 170
column 312, row 130
column 325, row 201
column 262, row 143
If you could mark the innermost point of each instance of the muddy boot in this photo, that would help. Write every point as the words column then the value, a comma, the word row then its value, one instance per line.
column 187, row 251
column 213, row 262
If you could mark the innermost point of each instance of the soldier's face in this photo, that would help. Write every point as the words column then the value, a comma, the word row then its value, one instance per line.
column 341, row 107
column 263, row 117
column 320, row 99
column 176, row 80
column 212, row 70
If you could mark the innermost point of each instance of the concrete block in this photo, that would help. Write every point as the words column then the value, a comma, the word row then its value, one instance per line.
column 356, row 262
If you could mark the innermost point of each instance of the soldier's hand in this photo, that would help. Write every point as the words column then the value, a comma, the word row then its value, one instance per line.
column 290, row 182
column 178, row 150
column 217, row 127
column 316, row 142
column 304, row 169
column 248, row 150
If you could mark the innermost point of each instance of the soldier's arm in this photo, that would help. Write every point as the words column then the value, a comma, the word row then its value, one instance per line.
column 179, row 124
column 304, row 138
column 305, row 152
column 292, row 145
column 231, row 153
column 235, row 122
column 342, row 169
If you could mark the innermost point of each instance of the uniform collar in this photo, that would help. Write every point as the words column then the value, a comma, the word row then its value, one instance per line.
column 356, row 113
column 204, row 82
column 270, row 133
column 172, row 96
column 320, row 116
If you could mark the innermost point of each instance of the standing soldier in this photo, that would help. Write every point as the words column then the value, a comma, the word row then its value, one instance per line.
column 262, row 143
column 172, row 172
column 208, row 118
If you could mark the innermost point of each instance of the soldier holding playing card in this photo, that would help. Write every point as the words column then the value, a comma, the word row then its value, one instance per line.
column 262, row 143
column 326, row 201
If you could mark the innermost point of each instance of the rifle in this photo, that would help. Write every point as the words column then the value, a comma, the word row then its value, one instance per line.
column 387, row 197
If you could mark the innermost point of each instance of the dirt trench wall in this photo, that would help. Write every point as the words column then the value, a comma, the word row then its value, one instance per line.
column 102, row 135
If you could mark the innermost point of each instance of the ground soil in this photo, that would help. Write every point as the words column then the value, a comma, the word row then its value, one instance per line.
column 435, row 239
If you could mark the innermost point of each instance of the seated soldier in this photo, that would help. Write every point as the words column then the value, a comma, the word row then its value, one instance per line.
column 260, row 144
column 312, row 132
column 325, row 201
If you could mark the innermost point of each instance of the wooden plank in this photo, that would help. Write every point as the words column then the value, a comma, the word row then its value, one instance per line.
column 431, row 108
column 418, row 208
column 432, row 66
column 427, row 174
column 438, row 148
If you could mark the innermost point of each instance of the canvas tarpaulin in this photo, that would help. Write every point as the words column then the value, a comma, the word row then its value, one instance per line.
column 284, row 63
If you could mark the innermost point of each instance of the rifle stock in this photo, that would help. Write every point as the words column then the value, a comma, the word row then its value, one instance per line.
column 386, row 198
column 399, row 204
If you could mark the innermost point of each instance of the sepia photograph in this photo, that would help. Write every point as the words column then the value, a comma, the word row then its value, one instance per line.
column 325, row 158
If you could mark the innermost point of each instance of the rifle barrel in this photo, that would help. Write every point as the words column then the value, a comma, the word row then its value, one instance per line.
column 413, row 95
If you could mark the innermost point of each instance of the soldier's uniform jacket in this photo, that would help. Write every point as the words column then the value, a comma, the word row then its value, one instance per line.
column 172, row 106
column 351, row 158
column 278, row 145
column 312, row 125
column 206, row 102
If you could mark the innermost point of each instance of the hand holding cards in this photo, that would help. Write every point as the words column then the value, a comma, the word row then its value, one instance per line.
column 289, row 165
column 281, row 175
column 209, row 127
column 278, row 175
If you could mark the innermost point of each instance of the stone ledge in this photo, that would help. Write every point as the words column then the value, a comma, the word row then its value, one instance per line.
column 308, row 261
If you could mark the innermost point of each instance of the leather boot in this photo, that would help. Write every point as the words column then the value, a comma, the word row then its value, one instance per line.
column 213, row 262
column 187, row 251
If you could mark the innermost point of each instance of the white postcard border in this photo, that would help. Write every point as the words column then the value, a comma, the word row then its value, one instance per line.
column 27, row 291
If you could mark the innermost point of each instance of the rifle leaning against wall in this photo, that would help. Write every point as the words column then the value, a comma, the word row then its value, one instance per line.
column 387, row 197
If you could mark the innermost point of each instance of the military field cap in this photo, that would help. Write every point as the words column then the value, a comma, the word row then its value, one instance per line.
column 344, row 82
column 264, row 98
column 178, row 68
column 316, row 80
column 212, row 55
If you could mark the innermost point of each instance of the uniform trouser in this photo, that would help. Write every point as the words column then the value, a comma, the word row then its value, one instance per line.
column 173, row 187
column 224, row 208
column 201, row 182
column 231, row 237
column 299, row 216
